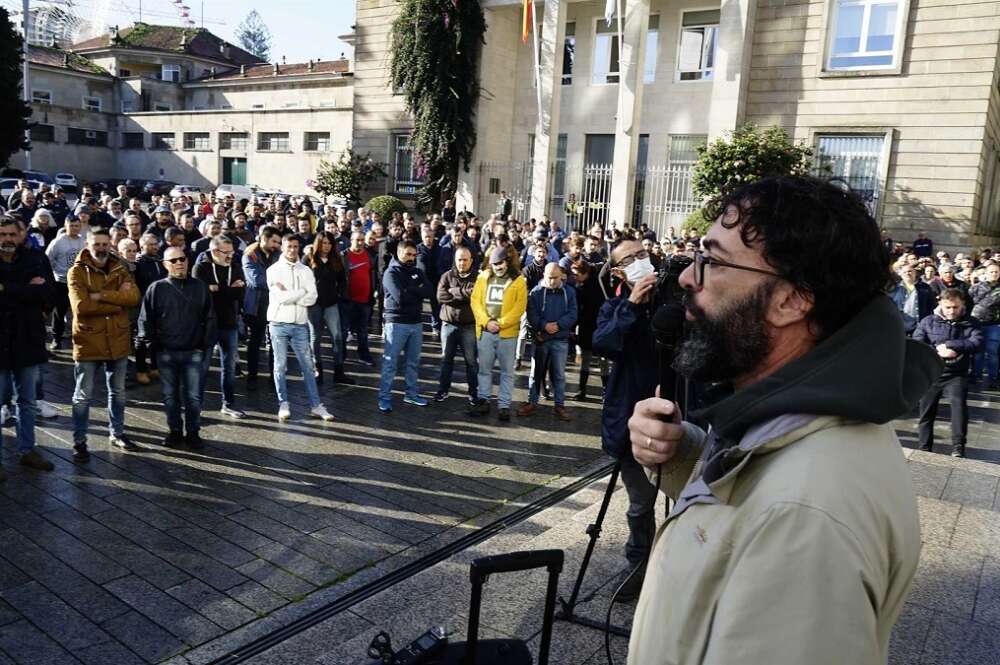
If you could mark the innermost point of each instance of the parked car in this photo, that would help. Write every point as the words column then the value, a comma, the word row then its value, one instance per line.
column 236, row 191
column 7, row 187
column 109, row 185
column 39, row 176
column 181, row 190
column 72, row 195
column 67, row 179
column 134, row 187
column 157, row 187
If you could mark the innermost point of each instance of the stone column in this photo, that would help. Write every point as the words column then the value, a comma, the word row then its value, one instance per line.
column 631, row 68
column 732, row 66
column 553, row 33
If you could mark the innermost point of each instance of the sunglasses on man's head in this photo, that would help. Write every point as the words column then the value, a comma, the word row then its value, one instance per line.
column 176, row 259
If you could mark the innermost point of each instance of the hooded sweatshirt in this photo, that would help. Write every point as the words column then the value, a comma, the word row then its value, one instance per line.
column 405, row 288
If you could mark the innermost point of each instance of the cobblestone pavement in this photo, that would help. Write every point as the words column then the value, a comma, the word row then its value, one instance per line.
column 139, row 557
column 180, row 557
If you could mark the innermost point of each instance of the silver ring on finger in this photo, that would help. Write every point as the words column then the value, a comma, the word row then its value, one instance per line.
column 649, row 443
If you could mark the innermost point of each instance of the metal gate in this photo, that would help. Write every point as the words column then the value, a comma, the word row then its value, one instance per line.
column 511, row 177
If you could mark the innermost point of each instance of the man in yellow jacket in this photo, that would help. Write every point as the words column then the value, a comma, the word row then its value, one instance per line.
column 794, row 536
column 499, row 298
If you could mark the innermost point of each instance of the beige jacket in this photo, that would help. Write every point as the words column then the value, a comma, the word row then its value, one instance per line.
column 801, row 553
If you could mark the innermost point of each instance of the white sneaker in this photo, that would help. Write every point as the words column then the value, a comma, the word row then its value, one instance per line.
column 284, row 411
column 46, row 410
column 321, row 412
column 6, row 414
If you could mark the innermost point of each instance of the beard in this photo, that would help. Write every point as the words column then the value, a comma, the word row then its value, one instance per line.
column 729, row 345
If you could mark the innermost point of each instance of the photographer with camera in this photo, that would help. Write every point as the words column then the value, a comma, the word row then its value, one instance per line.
column 795, row 534
column 624, row 335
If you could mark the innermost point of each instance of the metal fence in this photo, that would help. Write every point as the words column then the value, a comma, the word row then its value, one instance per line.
column 511, row 177
column 663, row 196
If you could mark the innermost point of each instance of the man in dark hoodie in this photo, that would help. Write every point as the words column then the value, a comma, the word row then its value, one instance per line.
column 405, row 288
column 795, row 535
column 956, row 337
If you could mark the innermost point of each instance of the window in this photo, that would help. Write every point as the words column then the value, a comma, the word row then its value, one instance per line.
column 162, row 106
column 569, row 53
column 272, row 141
column 133, row 141
column 41, row 96
column 171, row 73
column 196, row 141
column 164, row 141
column 989, row 216
column 853, row 158
column 559, row 182
column 43, row 133
column 317, row 141
column 128, row 105
column 863, row 34
column 683, row 147
column 76, row 136
column 406, row 180
column 234, row 141
column 699, row 40
column 599, row 149
column 652, row 48
column 92, row 104
column 605, row 53
column 123, row 73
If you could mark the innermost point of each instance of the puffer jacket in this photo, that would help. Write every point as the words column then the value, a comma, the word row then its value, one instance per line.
column 963, row 336
column 986, row 299
column 101, row 329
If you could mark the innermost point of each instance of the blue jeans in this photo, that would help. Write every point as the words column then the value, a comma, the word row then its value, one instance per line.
column 493, row 348
column 401, row 338
column 114, row 376
column 22, row 380
column 331, row 317
column 551, row 354
column 988, row 356
column 295, row 335
column 452, row 337
column 228, row 340
column 180, row 371
column 355, row 316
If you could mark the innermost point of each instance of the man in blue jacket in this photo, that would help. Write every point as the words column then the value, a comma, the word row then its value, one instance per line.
column 405, row 287
column 259, row 256
column 551, row 318
column 956, row 337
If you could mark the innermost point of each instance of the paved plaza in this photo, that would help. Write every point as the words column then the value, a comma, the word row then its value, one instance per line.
column 178, row 556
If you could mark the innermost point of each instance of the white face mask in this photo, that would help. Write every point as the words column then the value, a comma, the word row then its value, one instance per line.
column 637, row 270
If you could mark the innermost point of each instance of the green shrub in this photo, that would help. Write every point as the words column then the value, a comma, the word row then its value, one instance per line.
column 697, row 221
column 385, row 206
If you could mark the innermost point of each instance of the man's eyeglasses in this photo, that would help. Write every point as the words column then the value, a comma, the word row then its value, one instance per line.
column 700, row 261
column 626, row 261
column 176, row 259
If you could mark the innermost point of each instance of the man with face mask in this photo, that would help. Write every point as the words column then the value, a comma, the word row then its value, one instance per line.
column 458, row 324
column 794, row 536
column 101, row 290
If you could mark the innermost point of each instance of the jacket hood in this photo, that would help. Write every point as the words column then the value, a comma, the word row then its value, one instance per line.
column 867, row 371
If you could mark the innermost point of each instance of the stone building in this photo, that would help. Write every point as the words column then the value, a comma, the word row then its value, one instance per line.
column 180, row 104
column 898, row 97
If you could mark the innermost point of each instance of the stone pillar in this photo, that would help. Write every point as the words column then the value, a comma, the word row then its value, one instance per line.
column 553, row 33
column 732, row 66
column 632, row 64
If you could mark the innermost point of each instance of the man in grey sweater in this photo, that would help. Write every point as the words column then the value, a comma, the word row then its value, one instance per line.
column 62, row 253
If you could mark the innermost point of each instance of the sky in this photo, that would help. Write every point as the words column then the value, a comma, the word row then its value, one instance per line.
column 301, row 30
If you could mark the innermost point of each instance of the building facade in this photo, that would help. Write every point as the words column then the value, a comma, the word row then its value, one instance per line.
column 169, row 103
column 897, row 97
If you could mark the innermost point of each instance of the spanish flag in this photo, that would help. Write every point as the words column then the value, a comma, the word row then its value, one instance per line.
column 527, row 18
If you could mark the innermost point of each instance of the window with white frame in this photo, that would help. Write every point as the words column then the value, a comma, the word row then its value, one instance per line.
column 272, row 142
column 405, row 180
column 164, row 141
column 683, row 148
column 162, row 106
column 698, row 45
column 171, row 73
column 197, row 141
column 569, row 53
column 652, row 48
column 854, row 159
column 234, row 141
column 128, row 106
column 317, row 142
column 92, row 104
column 41, row 96
column 606, row 53
column 863, row 34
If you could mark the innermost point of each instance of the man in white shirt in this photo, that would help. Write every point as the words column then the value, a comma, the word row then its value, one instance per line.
column 292, row 289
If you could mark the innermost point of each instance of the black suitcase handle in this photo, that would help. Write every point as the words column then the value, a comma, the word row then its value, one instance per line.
column 508, row 563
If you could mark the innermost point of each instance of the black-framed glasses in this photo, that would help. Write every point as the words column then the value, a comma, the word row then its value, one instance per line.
column 700, row 261
column 176, row 259
column 626, row 261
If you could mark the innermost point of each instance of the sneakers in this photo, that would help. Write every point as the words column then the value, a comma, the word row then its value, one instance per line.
column 321, row 412
column 480, row 408
column 173, row 440
column 527, row 409
column 385, row 406
column 55, row 344
column 284, row 411
column 232, row 412
column 958, row 450
column 580, row 396
column 6, row 414
column 504, row 414
column 561, row 413
column 142, row 378
column 46, row 410
column 368, row 361
column 440, row 395
column 80, row 453
column 416, row 400
column 193, row 441
column 123, row 442
column 33, row 460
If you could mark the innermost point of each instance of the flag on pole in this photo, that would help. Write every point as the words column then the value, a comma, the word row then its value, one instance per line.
column 527, row 19
column 609, row 11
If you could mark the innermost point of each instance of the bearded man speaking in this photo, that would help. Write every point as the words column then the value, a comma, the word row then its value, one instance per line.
column 795, row 536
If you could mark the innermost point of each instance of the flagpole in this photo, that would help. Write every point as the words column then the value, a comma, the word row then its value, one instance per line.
column 538, row 64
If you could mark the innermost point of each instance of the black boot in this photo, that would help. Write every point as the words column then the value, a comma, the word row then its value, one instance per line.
column 318, row 373
column 340, row 376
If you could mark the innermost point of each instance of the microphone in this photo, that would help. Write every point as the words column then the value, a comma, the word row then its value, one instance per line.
column 668, row 328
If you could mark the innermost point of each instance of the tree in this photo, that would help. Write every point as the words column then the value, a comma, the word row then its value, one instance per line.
column 346, row 177
column 14, row 111
column 254, row 36
column 748, row 154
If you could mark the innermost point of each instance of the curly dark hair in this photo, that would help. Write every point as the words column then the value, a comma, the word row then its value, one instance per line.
column 819, row 236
